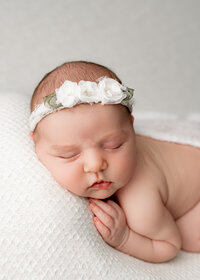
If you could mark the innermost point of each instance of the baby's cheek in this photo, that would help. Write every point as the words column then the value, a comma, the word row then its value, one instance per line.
column 124, row 168
column 68, row 177
column 62, row 174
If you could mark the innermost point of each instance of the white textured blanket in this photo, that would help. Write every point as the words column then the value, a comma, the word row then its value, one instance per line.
column 169, row 127
column 46, row 233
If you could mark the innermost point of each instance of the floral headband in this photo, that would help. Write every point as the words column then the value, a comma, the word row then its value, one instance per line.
column 107, row 91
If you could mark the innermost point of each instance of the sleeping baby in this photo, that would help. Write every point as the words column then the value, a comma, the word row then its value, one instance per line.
column 144, row 193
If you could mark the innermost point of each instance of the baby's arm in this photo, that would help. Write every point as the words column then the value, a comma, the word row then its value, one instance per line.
column 150, row 233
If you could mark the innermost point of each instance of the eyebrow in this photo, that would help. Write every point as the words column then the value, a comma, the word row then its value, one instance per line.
column 63, row 147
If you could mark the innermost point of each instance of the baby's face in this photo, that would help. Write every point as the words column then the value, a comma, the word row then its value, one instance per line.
column 86, row 144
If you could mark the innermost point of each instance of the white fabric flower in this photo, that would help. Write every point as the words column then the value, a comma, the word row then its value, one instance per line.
column 111, row 91
column 68, row 94
column 88, row 91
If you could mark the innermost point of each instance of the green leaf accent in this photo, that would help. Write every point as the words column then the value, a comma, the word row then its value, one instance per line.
column 50, row 101
column 130, row 92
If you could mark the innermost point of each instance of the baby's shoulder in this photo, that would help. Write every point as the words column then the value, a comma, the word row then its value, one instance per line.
column 142, row 202
column 143, row 187
column 142, row 197
column 138, row 192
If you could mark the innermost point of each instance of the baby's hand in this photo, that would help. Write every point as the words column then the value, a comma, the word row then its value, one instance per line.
column 110, row 222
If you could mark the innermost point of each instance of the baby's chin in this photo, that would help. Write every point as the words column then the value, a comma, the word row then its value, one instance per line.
column 101, row 194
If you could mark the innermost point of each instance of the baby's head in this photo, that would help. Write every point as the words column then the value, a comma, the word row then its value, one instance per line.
column 84, row 142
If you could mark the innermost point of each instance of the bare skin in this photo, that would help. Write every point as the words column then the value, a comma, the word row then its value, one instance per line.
column 154, row 186
column 165, row 199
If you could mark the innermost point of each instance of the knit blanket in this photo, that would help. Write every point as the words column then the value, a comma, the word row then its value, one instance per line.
column 46, row 233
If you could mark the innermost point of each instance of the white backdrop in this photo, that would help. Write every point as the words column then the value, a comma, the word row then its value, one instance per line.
column 153, row 45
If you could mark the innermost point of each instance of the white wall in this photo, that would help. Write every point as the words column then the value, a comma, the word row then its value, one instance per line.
column 153, row 45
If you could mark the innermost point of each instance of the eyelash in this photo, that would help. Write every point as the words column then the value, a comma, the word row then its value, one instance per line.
column 70, row 157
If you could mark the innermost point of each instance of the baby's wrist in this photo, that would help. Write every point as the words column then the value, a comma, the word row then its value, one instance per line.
column 124, row 241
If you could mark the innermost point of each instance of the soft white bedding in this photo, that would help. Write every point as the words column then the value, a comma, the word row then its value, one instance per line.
column 46, row 232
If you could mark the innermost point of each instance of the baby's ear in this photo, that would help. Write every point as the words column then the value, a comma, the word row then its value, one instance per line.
column 31, row 134
column 132, row 119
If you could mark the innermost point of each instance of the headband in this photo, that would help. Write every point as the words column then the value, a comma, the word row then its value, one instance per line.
column 106, row 91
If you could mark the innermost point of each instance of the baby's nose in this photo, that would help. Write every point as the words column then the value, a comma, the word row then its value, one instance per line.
column 94, row 162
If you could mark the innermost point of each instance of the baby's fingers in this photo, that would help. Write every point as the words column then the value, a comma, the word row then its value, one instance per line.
column 104, row 217
column 102, row 229
column 105, row 206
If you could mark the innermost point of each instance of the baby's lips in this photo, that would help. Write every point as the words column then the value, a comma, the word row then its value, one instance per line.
column 101, row 185
column 97, row 182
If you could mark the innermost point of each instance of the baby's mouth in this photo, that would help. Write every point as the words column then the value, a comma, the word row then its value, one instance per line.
column 101, row 185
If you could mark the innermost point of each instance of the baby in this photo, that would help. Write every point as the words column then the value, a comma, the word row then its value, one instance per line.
column 82, row 127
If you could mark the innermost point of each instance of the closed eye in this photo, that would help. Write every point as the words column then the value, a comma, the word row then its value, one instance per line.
column 113, row 147
column 68, row 156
